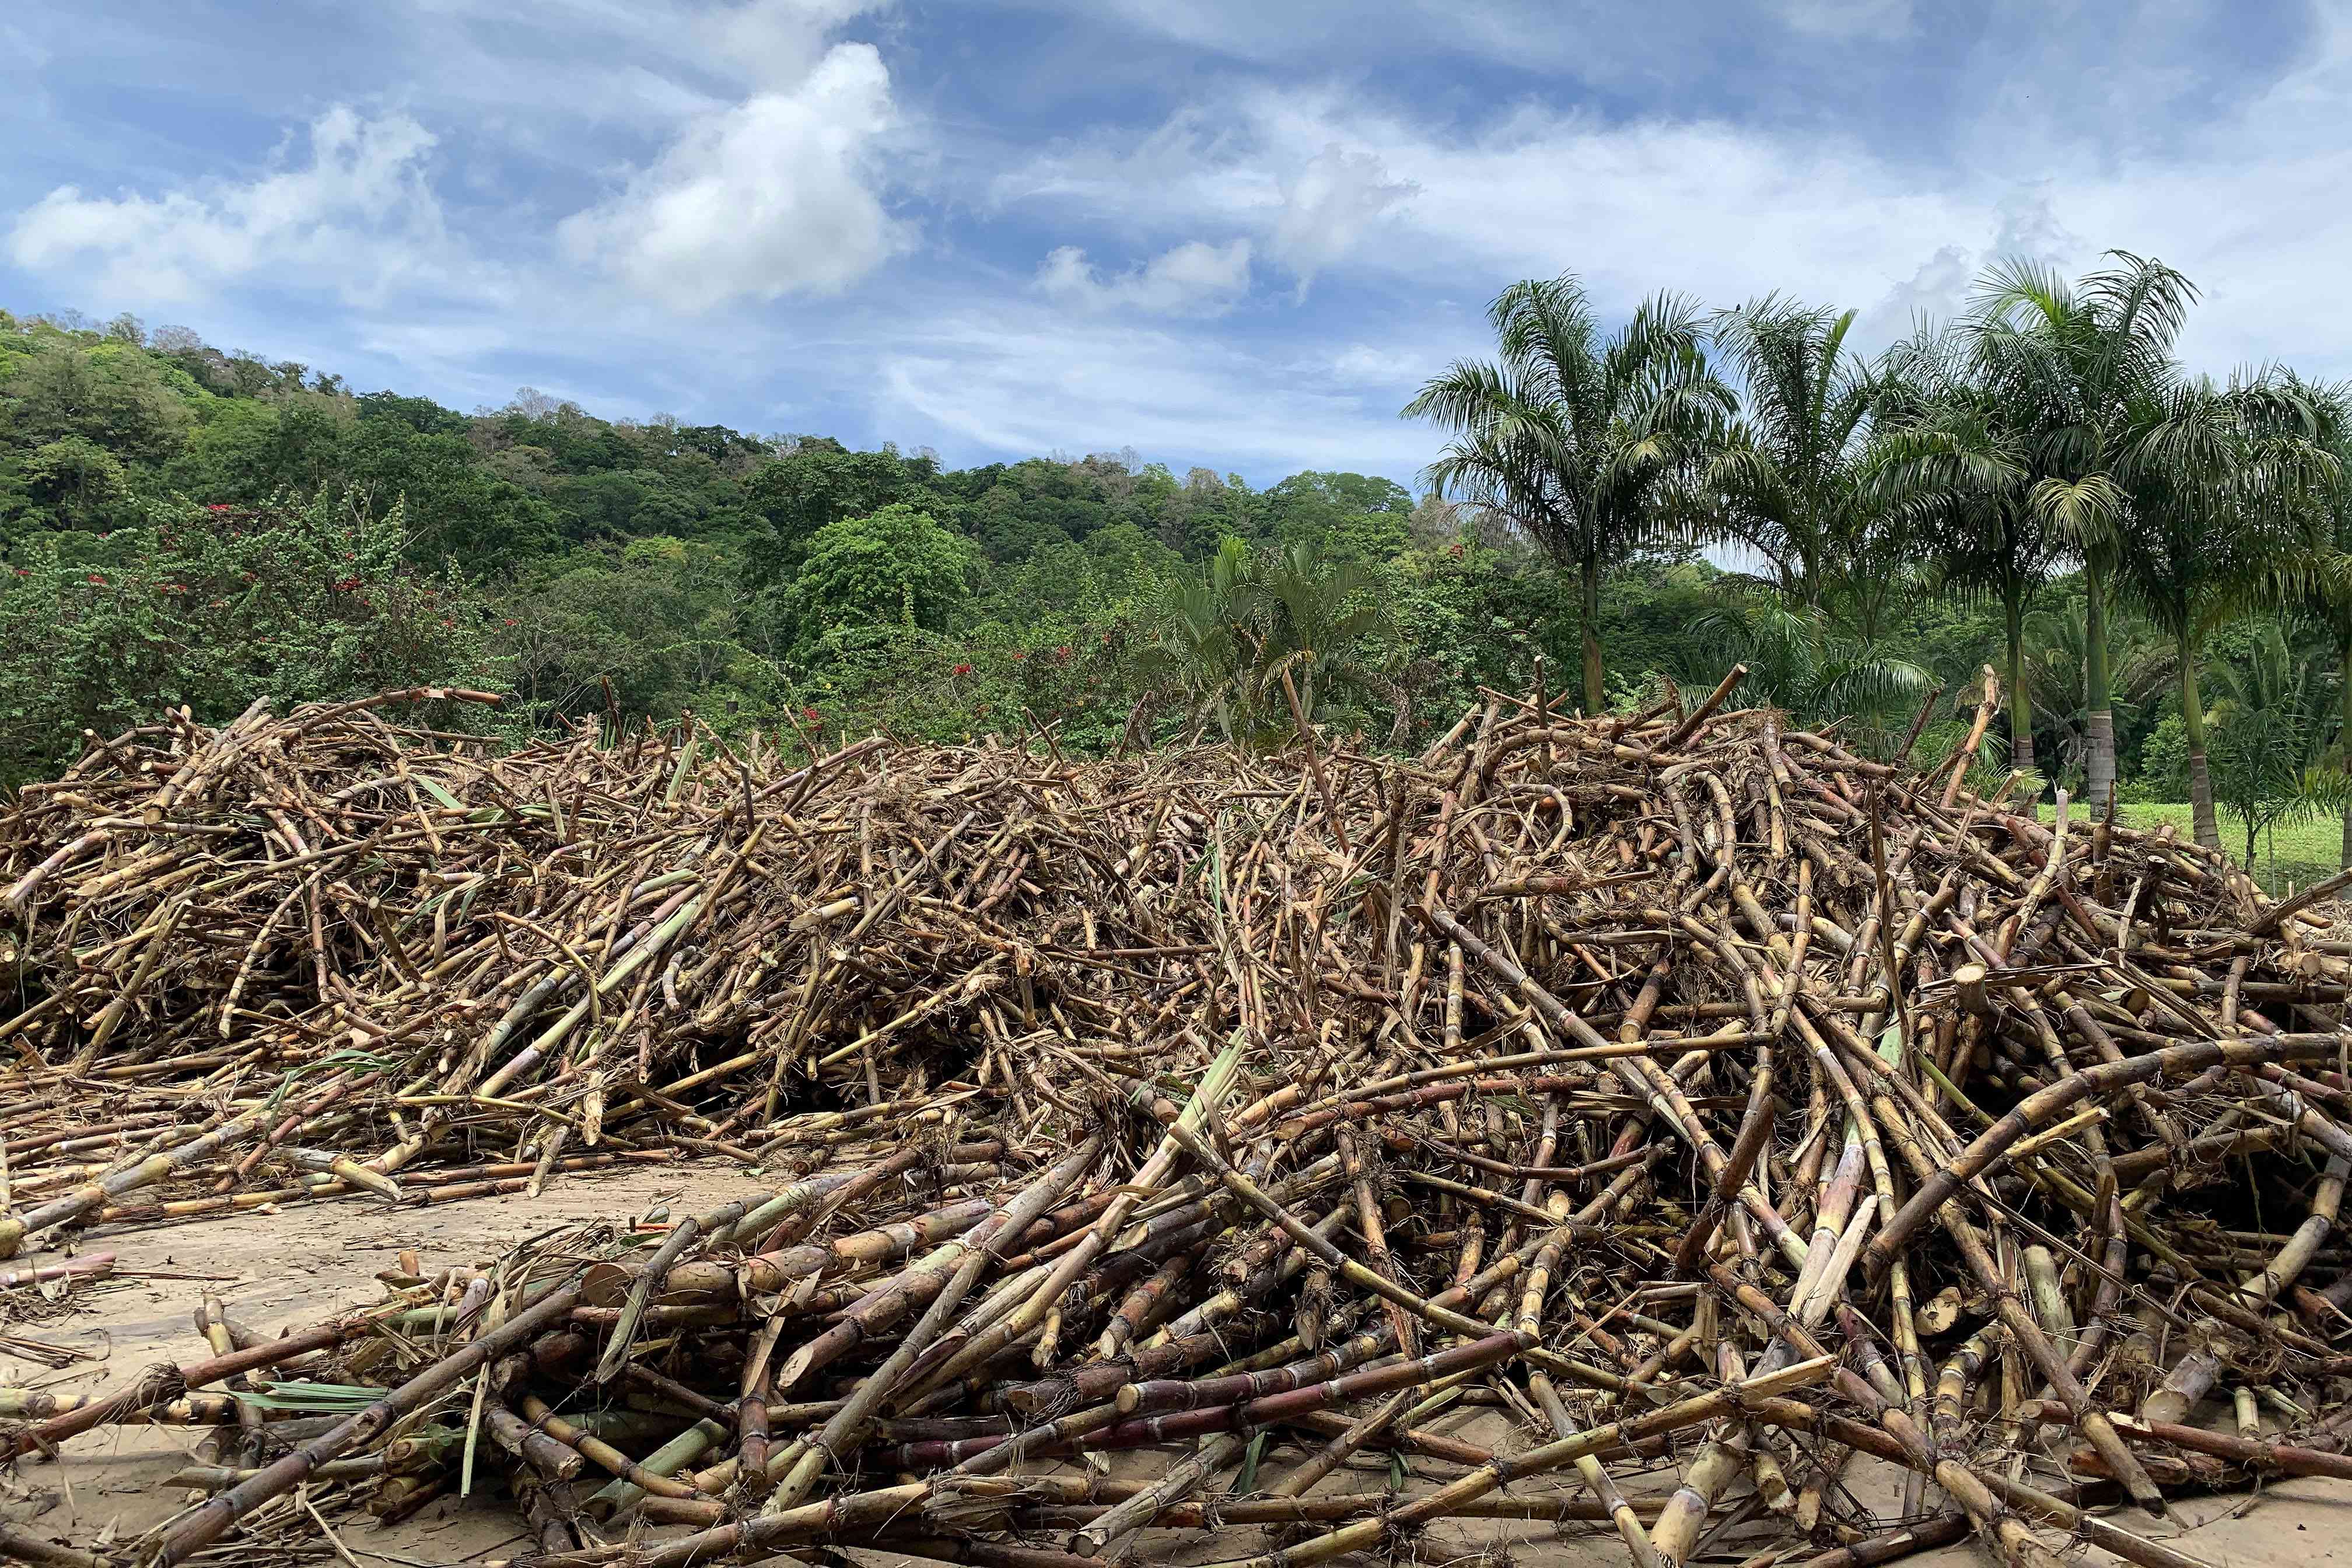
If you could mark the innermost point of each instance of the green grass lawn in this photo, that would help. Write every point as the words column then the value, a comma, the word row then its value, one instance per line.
column 2296, row 852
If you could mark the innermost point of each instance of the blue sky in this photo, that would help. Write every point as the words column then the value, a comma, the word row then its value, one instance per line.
column 1235, row 233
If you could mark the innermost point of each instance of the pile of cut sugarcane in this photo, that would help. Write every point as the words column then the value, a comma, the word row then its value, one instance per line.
column 1655, row 1123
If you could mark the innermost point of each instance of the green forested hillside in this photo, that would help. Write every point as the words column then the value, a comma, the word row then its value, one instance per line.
column 2038, row 490
column 191, row 526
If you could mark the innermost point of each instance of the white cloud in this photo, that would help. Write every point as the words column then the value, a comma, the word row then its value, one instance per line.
column 1192, row 279
column 1879, row 20
column 1310, row 207
column 2027, row 228
column 1328, row 205
column 763, row 42
column 1703, row 206
column 2030, row 229
column 1041, row 379
column 1936, row 291
column 1364, row 365
column 777, row 195
column 1727, row 211
column 357, row 212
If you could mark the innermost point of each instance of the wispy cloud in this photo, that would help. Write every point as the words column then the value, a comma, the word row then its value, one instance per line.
column 354, row 212
column 1037, row 381
column 1191, row 280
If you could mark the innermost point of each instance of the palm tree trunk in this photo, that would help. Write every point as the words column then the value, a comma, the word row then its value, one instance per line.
column 2201, row 777
column 1596, row 695
column 2344, row 724
column 2021, row 701
column 2099, row 720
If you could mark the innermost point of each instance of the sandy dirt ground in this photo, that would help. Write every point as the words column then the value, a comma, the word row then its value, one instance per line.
column 296, row 1267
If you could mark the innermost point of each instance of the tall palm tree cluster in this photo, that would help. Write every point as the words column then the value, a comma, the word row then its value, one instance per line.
column 2050, row 429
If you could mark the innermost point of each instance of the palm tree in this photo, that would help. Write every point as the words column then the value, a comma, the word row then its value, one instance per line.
column 1312, row 617
column 2317, row 584
column 1569, row 438
column 2069, row 361
column 1196, row 653
column 1786, row 479
column 1799, row 660
column 1950, row 459
column 1230, row 631
column 2270, row 729
column 2057, row 662
column 2226, row 483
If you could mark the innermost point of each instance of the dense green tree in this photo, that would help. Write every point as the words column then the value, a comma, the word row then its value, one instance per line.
column 462, row 512
column 110, row 393
column 213, row 609
column 894, row 567
column 79, row 481
column 1351, row 517
column 232, row 454
column 820, row 482
column 1205, row 510
column 421, row 415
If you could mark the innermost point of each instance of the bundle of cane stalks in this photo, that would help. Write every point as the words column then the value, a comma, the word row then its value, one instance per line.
column 1660, row 1121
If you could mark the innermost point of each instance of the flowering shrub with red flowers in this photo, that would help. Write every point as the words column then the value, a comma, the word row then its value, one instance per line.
column 212, row 606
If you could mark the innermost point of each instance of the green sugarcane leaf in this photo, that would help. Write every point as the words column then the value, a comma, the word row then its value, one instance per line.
column 441, row 797
column 304, row 1398
column 1246, row 1482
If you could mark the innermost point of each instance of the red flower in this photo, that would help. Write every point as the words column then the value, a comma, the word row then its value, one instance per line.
column 1063, row 652
column 445, row 621
column 1018, row 656
column 217, row 506
column 961, row 669
column 811, row 715
column 97, row 579
column 507, row 622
